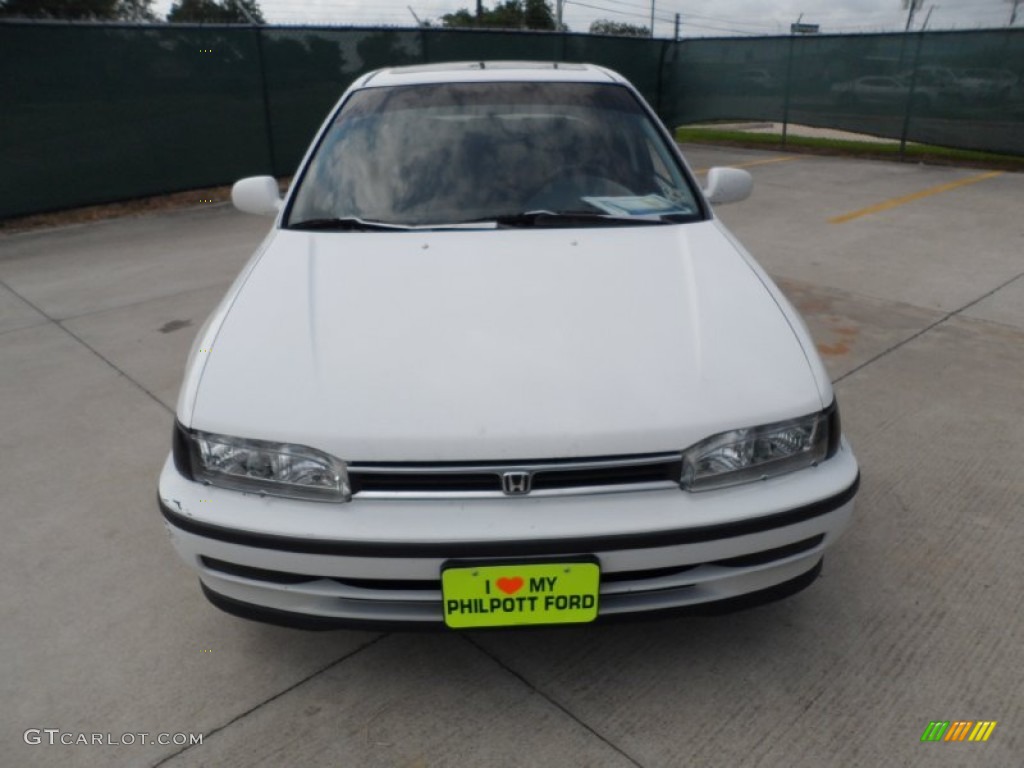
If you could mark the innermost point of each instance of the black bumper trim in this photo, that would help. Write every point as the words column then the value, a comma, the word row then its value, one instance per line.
column 307, row 621
column 515, row 548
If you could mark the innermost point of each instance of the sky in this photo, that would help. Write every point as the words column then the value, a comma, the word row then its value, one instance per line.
column 698, row 18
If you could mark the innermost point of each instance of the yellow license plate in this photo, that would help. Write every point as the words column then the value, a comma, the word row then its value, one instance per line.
column 519, row 594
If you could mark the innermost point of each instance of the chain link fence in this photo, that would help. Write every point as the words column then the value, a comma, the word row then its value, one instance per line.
column 95, row 113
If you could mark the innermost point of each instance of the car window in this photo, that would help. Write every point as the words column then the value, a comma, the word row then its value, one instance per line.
column 460, row 152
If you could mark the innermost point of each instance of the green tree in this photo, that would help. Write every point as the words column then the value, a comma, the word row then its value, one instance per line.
column 537, row 15
column 226, row 12
column 83, row 10
column 608, row 27
column 509, row 14
column 136, row 10
column 461, row 18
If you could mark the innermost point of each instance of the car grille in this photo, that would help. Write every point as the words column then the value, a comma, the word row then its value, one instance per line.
column 612, row 583
column 545, row 478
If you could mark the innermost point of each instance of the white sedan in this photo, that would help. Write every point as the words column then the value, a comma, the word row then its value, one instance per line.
column 497, row 363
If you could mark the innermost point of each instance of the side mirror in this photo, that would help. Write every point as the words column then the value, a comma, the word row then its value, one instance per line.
column 728, row 185
column 257, row 194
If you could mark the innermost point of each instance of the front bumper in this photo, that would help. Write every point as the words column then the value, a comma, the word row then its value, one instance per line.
column 378, row 562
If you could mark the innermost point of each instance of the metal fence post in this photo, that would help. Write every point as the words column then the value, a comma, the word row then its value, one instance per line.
column 789, row 88
column 660, row 82
column 910, row 96
column 266, row 100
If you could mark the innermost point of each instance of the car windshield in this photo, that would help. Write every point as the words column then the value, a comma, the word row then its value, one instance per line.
column 487, row 154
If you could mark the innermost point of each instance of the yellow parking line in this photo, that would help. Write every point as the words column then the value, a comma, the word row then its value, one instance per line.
column 898, row 201
column 752, row 163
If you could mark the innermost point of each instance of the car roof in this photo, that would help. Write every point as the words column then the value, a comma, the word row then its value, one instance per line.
column 489, row 71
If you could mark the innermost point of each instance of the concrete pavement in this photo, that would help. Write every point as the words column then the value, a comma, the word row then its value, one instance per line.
column 918, row 310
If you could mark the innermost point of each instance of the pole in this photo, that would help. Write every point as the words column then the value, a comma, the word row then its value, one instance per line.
column 910, row 97
column 677, row 26
column 789, row 78
column 265, row 92
column 910, row 14
column 659, row 102
column 652, row 19
column 245, row 12
column 559, row 4
column 479, row 11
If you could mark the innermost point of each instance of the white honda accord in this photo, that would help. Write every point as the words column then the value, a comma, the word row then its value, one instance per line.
column 497, row 363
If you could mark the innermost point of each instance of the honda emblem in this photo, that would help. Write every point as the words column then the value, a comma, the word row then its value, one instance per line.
column 515, row 483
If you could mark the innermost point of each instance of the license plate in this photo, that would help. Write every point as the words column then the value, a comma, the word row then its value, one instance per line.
column 519, row 594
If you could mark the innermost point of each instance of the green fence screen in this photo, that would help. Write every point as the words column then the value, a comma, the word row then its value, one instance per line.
column 93, row 113
column 956, row 89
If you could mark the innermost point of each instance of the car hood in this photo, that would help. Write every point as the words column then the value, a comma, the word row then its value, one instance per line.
column 492, row 345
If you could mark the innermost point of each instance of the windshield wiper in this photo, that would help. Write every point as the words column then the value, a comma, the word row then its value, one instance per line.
column 348, row 224
column 576, row 219
column 525, row 219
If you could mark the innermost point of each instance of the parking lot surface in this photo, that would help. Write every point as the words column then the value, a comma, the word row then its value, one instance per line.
column 911, row 279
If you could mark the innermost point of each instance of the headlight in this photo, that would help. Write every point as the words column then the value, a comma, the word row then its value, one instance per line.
column 258, row 466
column 757, row 453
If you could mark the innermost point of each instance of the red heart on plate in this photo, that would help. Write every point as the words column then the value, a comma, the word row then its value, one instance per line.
column 510, row 586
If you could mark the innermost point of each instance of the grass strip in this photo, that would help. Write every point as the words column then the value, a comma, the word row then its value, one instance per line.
column 888, row 150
